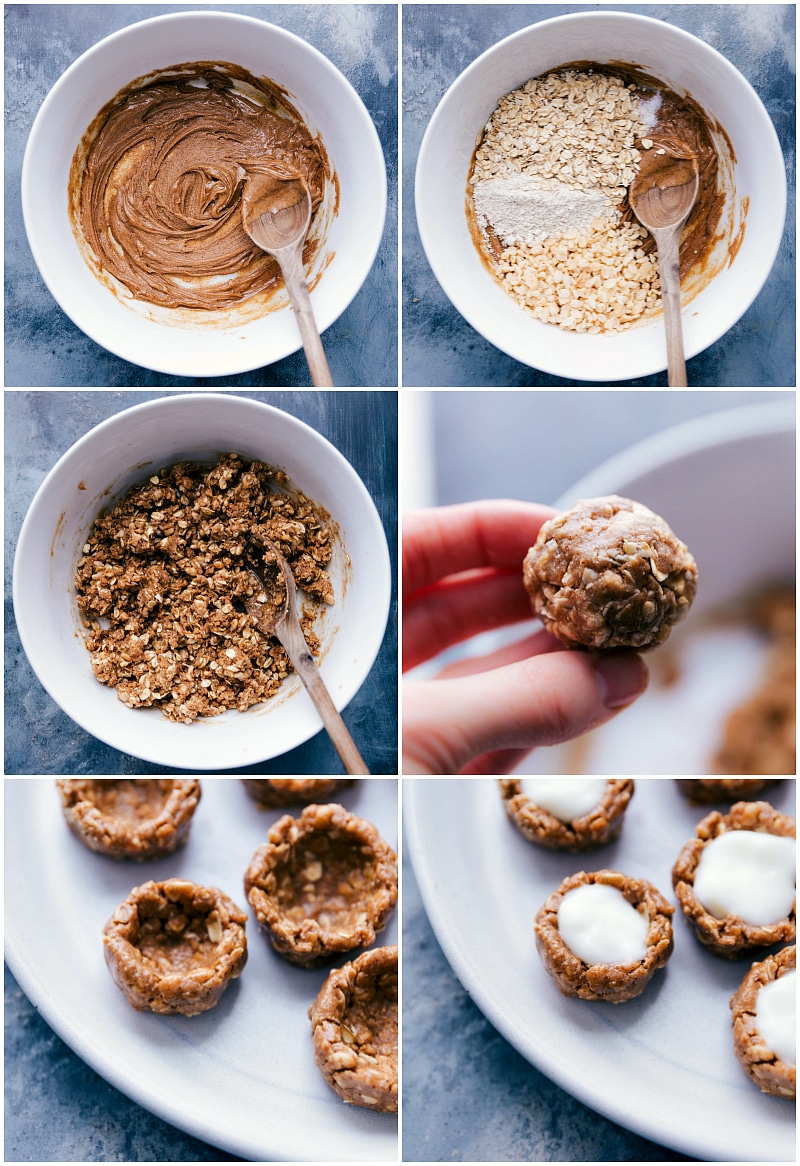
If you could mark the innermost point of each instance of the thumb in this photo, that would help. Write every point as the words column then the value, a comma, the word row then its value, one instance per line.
column 542, row 700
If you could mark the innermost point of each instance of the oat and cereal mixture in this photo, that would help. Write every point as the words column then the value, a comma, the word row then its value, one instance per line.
column 162, row 582
column 548, row 182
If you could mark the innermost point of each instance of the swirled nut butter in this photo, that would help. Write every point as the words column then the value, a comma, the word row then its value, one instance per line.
column 157, row 180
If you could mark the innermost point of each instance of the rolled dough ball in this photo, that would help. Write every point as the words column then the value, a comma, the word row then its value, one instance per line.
column 609, row 573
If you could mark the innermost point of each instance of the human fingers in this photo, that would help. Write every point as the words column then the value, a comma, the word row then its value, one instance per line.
column 542, row 700
column 459, row 607
column 535, row 644
column 497, row 762
column 444, row 540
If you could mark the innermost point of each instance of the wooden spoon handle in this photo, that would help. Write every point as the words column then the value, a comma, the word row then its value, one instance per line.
column 291, row 264
column 291, row 636
column 668, row 239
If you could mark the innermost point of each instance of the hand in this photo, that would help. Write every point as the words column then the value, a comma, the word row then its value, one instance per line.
column 462, row 574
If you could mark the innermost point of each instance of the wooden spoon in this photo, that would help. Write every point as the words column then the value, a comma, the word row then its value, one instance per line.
column 662, row 203
column 276, row 214
column 274, row 608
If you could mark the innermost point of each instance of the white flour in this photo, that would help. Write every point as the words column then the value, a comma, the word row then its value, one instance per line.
column 523, row 208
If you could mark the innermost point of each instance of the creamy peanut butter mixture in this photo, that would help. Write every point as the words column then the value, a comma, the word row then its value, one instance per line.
column 162, row 584
column 156, row 184
column 547, row 193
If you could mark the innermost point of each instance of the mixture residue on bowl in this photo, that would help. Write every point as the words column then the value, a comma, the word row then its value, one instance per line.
column 156, row 185
column 162, row 581
column 547, row 196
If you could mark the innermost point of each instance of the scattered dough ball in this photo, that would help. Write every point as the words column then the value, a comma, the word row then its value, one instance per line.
column 276, row 792
column 702, row 790
column 354, row 1026
column 603, row 935
column 735, row 882
column 609, row 573
column 765, row 1026
column 138, row 819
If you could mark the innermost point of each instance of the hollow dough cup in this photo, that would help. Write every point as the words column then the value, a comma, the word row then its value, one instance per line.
column 597, row 827
column 704, row 790
column 323, row 884
column 609, row 573
column 613, row 983
column 275, row 793
column 174, row 947
column 770, row 1073
column 730, row 937
column 143, row 819
column 354, row 1025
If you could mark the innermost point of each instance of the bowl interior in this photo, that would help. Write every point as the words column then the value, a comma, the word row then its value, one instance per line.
column 328, row 104
column 754, row 212
column 98, row 470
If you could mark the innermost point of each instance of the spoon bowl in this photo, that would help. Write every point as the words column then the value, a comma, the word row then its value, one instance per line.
column 276, row 212
column 662, row 202
column 273, row 605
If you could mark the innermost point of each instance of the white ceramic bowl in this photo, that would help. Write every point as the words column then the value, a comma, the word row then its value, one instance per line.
column 726, row 485
column 329, row 106
column 98, row 470
column 685, row 64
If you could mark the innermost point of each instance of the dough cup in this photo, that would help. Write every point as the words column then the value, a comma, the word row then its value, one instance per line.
column 730, row 937
column 275, row 793
column 173, row 947
column 587, row 832
column 613, row 983
column 770, row 1073
column 323, row 884
column 702, row 790
column 354, row 1025
column 130, row 819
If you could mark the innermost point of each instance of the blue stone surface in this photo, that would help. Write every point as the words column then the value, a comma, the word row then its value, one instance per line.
column 42, row 345
column 440, row 40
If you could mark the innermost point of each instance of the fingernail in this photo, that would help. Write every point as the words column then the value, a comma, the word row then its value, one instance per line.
column 620, row 678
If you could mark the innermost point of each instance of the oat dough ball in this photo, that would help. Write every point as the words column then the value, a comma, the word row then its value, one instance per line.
column 271, row 793
column 174, row 947
column 130, row 819
column 705, row 790
column 609, row 573
column 354, row 1027
column 764, row 1024
column 602, row 935
column 735, row 882
column 567, row 813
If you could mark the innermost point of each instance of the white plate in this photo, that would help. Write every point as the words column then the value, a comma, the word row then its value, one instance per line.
column 661, row 1065
column 241, row 1076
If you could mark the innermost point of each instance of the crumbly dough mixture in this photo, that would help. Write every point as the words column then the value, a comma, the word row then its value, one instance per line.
column 587, row 128
column 322, row 884
column 597, row 828
column 730, row 937
column 272, row 792
column 162, row 583
column 613, row 983
column 174, row 946
column 156, row 185
column 609, row 573
column 770, row 1073
column 354, row 1025
column 760, row 736
column 141, row 819
column 702, row 790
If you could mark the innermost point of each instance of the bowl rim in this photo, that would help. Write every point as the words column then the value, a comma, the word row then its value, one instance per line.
column 259, row 748
column 244, row 358
column 520, row 350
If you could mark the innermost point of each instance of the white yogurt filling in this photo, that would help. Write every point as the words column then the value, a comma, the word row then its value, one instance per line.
column 599, row 925
column 566, row 798
column 776, row 1017
column 748, row 874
